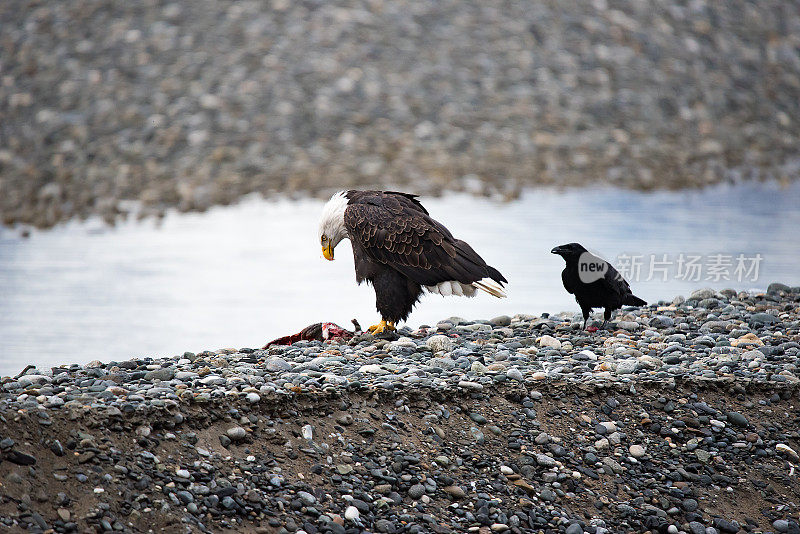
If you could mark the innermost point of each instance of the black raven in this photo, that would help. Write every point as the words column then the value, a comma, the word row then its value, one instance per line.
column 594, row 282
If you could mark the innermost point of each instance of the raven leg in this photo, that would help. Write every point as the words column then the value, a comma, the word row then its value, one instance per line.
column 606, row 317
column 586, row 313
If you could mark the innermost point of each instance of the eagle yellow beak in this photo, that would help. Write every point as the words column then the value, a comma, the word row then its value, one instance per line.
column 328, row 252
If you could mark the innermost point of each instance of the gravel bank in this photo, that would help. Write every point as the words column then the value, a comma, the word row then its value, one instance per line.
column 192, row 104
column 683, row 418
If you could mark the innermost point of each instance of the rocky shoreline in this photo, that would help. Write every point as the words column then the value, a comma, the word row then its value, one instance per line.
column 193, row 104
column 683, row 417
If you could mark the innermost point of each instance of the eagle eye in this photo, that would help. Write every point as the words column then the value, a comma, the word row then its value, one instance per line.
column 324, row 238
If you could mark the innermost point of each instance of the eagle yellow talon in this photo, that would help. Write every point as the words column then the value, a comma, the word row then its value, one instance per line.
column 381, row 327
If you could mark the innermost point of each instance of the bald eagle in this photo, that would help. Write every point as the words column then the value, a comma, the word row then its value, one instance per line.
column 400, row 249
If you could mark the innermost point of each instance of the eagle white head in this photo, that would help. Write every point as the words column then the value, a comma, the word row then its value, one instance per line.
column 331, row 223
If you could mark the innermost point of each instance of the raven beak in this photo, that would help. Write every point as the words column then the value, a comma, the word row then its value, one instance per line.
column 328, row 252
column 556, row 250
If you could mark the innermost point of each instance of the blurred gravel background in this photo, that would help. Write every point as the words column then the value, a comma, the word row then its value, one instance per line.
column 195, row 103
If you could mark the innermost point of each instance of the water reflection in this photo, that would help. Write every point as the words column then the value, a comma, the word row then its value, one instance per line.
column 241, row 275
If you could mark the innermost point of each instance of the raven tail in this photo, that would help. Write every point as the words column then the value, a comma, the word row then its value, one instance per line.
column 633, row 300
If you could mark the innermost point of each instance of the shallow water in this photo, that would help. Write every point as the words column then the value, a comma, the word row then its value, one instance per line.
column 241, row 275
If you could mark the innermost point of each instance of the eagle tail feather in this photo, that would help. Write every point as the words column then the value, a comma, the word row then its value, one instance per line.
column 489, row 286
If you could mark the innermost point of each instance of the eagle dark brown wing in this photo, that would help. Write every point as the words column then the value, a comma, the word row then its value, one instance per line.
column 394, row 229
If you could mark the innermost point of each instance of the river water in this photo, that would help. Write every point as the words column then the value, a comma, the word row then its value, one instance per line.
column 238, row 276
